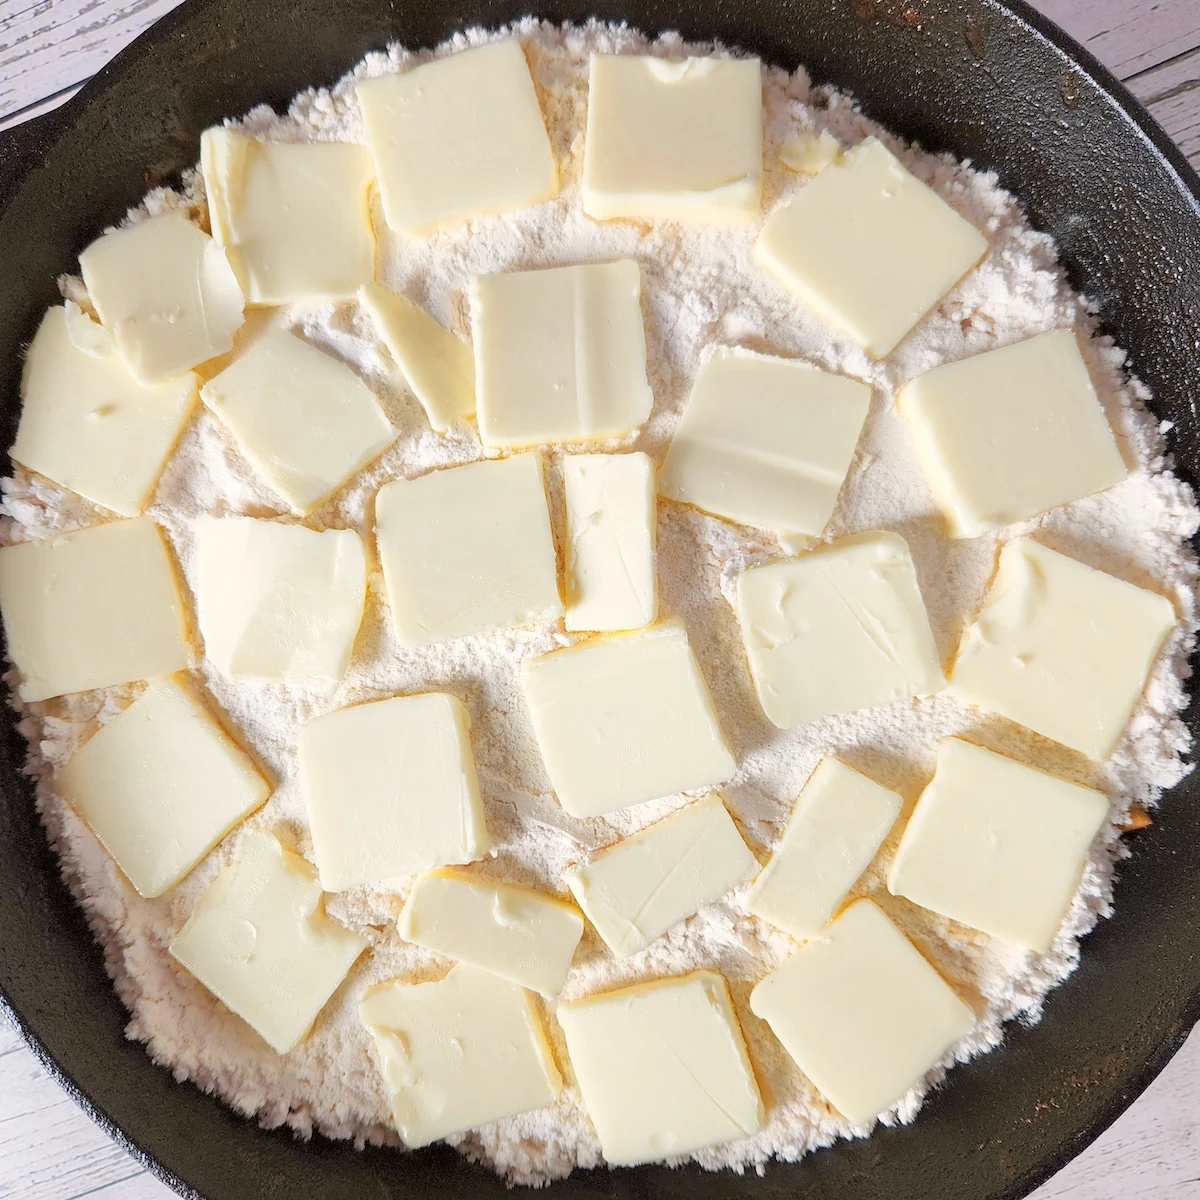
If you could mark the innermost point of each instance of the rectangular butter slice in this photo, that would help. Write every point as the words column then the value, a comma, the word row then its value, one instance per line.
column 93, row 608
column 560, row 354
column 997, row 845
column 459, row 1053
column 260, row 941
column 624, row 719
column 612, row 517
column 518, row 933
column 836, row 827
column 635, row 890
column 862, row 1013
column 673, row 137
column 662, row 1067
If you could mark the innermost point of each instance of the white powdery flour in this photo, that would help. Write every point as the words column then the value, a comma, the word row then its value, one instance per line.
column 701, row 287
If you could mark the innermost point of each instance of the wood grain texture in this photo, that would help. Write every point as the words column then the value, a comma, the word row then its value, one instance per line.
column 48, row 1148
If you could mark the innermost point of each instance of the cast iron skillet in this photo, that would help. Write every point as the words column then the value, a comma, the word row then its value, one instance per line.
column 992, row 82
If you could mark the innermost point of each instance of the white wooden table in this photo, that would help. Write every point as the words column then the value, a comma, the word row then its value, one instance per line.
column 48, row 1148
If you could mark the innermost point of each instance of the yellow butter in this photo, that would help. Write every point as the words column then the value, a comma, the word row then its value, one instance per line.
column 810, row 152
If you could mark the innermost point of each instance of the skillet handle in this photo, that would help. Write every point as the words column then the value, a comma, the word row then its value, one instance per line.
column 22, row 148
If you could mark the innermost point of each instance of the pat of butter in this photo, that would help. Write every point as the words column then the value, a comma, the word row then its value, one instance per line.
column 612, row 569
column 810, row 152
column 662, row 1067
column 869, row 247
column 160, row 785
column 515, row 932
column 1011, row 433
column 635, row 891
column 165, row 291
column 468, row 550
column 457, row 138
column 293, row 218
column 674, row 138
column 1061, row 648
column 838, row 824
column 455, row 1054
column 260, row 941
column 391, row 789
column 838, row 629
column 87, row 424
column 437, row 366
column 997, row 845
column 305, row 420
column 765, row 441
column 560, row 354
column 623, row 719
column 862, row 1013
column 92, row 609
column 278, row 603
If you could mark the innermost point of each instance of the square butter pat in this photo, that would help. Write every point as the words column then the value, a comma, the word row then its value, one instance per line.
column 838, row 824
column 1011, row 433
column 260, row 941
column 160, row 785
column 86, row 423
column 636, row 890
column 165, row 291
column 862, row 1013
column 623, row 719
column 612, row 569
column 468, row 550
column 437, row 366
column 391, row 789
column 458, row 137
column 671, row 137
column 516, row 932
column 1061, row 648
column 997, row 845
column 278, row 603
column 560, row 354
column 765, row 441
column 93, row 608
column 869, row 247
column 662, row 1067
column 459, row 1053
column 293, row 218
column 838, row 629
column 304, row 420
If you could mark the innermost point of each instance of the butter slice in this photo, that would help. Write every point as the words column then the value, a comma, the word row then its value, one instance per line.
column 92, row 609
column 862, row 1013
column 468, row 550
column 437, row 366
column 260, row 941
column 838, row 629
column 612, row 569
column 459, row 1053
column 391, row 789
column 810, row 152
column 662, row 1067
column 87, row 424
column 1011, row 433
column 765, row 441
column 305, row 420
column 160, row 785
column 673, row 137
column 635, row 891
column 997, row 845
column 293, row 218
column 458, row 137
column 869, row 247
column 560, row 354
column 515, row 932
column 1061, row 648
column 278, row 603
column 165, row 291
column 624, row 719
